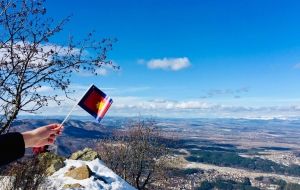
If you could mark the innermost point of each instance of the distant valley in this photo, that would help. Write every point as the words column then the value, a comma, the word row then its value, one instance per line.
column 262, row 151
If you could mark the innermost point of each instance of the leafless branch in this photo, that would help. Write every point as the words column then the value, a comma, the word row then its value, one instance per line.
column 29, row 61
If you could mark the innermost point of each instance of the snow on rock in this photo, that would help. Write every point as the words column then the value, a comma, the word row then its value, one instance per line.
column 102, row 179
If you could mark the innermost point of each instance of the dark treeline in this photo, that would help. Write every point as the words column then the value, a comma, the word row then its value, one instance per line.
column 227, row 184
column 232, row 159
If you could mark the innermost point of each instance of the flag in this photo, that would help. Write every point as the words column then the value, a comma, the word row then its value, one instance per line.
column 95, row 102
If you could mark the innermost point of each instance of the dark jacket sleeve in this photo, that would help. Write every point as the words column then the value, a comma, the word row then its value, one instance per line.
column 12, row 147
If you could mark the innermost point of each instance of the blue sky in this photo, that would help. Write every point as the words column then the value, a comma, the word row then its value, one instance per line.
column 193, row 58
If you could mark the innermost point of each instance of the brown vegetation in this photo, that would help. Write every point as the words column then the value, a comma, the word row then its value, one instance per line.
column 27, row 174
column 137, row 155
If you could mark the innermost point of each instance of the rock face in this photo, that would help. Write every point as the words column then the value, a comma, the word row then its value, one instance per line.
column 86, row 154
column 101, row 177
column 79, row 173
column 53, row 162
column 73, row 186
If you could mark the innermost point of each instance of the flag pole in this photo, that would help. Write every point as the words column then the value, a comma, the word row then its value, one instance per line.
column 53, row 147
column 67, row 117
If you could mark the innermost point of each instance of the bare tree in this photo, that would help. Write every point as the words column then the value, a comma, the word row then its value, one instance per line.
column 29, row 61
column 137, row 155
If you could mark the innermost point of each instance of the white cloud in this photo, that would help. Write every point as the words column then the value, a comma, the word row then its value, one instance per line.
column 226, row 92
column 102, row 71
column 134, row 106
column 41, row 57
column 125, row 105
column 138, row 106
column 44, row 89
column 174, row 64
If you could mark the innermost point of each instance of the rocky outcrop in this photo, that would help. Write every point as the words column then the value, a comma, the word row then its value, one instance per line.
column 90, row 175
column 79, row 173
column 52, row 161
column 73, row 186
column 86, row 154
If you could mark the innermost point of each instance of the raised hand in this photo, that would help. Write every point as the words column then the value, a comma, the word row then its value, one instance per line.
column 42, row 136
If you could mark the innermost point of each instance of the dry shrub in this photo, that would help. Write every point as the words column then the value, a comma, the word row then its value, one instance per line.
column 27, row 174
column 137, row 155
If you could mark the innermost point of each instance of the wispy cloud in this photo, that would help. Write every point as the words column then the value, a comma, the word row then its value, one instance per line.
column 156, row 104
column 173, row 64
column 45, row 89
column 102, row 71
column 133, row 106
column 41, row 57
column 126, row 105
column 236, row 93
column 198, row 108
column 139, row 106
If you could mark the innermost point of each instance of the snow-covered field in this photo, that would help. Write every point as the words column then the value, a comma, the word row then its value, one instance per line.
column 113, row 181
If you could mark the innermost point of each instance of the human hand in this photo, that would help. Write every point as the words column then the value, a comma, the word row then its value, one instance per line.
column 42, row 136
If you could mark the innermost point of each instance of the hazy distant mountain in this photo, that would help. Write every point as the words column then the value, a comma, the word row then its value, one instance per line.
column 77, row 134
column 85, row 131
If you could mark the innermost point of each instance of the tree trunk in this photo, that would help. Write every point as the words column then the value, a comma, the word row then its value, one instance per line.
column 5, row 128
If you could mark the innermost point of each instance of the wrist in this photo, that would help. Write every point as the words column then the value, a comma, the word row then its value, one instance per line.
column 28, row 139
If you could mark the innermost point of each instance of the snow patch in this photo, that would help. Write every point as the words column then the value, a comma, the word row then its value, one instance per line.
column 103, row 178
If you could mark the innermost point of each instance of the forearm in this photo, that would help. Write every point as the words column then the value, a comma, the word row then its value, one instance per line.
column 12, row 147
